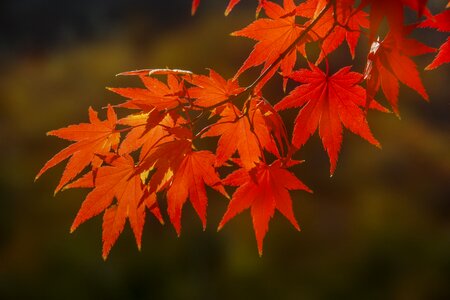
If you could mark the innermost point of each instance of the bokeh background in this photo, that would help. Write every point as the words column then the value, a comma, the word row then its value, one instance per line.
column 379, row 229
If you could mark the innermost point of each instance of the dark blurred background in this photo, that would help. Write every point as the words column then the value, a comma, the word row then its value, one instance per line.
column 379, row 229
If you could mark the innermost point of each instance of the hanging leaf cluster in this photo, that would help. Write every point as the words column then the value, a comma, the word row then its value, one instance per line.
column 152, row 153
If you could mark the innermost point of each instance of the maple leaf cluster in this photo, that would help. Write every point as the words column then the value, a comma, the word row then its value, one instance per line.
column 152, row 154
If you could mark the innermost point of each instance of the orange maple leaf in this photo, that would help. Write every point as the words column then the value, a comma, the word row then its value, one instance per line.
column 245, row 133
column 338, row 23
column 326, row 102
column 389, row 62
column 212, row 90
column 263, row 189
column 155, row 95
column 118, row 180
column 183, row 173
column 442, row 57
column 393, row 10
column 440, row 22
column 195, row 170
column 165, row 159
column 274, row 35
column 96, row 137
column 148, row 131
column 275, row 125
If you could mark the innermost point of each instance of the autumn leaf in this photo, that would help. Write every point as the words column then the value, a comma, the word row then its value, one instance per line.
column 393, row 11
column 212, row 90
column 440, row 22
column 195, row 170
column 119, row 181
column 340, row 23
column 96, row 137
column 148, row 130
column 274, row 35
column 389, row 62
column 230, row 6
column 328, row 102
column 335, row 25
column 165, row 160
column 275, row 125
column 245, row 133
column 156, row 94
column 263, row 189
column 195, row 4
column 442, row 57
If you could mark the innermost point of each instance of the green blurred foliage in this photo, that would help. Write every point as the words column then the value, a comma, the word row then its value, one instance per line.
column 379, row 229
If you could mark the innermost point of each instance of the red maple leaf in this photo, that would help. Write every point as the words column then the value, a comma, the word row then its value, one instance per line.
column 393, row 11
column 210, row 91
column 96, row 137
column 245, row 133
column 263, row 189
column 165, row 158
column 195, row 4
column 275, row 125
column 148, row 130
column 389, row 62
column 230, row 6
column 326, row 102
column 183, row 173
column 195, row 170
column 119, row 180
column 155, row 95
column 340, row 23
column 442, row 57
column 274, row 35
column 440, row 22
